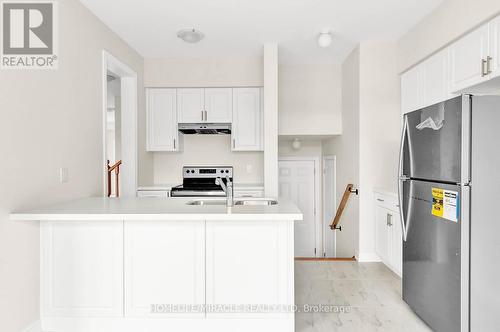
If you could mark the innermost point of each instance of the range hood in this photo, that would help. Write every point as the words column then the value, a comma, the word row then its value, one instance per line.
column 205, row 128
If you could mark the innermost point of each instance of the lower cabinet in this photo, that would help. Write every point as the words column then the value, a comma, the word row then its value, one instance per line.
column 248, row 263
column 82, row 269
column 164, row 267
column 388, row 233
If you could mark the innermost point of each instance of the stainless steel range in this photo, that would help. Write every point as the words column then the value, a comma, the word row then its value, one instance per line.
column 201, row 181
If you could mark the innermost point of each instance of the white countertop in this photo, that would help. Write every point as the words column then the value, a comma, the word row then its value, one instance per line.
column 100, row 208
column 168, row 186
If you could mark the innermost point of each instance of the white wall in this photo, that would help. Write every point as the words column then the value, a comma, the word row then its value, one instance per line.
column 448, row 22
column 310, row 99
column 51, row 119
column 379, row 133
column 203, row 72
column 205, row 150
column 346, row 148
column 208, row 150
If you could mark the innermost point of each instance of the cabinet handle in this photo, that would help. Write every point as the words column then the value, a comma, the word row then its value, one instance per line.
column 380, row 200
column 202, row 116
column 206, row 116
column 234, row 143
column 174, row 143
column 389, row 220
column 488, row 65
column 483, row 67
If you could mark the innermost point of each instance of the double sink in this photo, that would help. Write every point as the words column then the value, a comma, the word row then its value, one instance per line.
column 237, row 202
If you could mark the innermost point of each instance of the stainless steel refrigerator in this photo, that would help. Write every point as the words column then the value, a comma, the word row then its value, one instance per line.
column 449, row 194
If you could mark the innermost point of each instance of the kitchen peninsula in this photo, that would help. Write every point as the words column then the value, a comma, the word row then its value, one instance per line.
column 153, row 264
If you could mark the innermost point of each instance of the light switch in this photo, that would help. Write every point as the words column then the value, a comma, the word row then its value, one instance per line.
column 63, row 175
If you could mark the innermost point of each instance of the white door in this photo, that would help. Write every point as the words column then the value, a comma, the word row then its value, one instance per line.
column 329, row 205
column 219, row 105
column 162, row 134
column 397, row 243
column 247, row 120
column 296, row 183
column 164, row 264
column 82, row 269
column 191, row 105
column 468, row 58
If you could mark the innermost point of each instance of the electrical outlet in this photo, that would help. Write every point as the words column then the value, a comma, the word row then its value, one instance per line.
column 63, row 175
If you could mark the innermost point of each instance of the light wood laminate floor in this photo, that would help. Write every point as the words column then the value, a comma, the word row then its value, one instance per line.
column 369, row 294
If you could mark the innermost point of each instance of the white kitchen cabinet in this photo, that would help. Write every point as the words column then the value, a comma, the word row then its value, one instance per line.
column 411, row 90
column 191, row 105
column 164, row 264
column 219, row 105
column 248, row 263
column 494, row 27
column 388, row 232
column 162, row 133
column 247, row 127
column 468, row 59
column 153, row 193
column 82, row 269
column 435, row 79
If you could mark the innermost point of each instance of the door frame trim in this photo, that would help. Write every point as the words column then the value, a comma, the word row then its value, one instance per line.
column 325, row 223
column 318, row 239
column 129, row 98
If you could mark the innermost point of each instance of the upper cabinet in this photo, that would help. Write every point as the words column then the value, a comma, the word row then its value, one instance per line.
column 247, row 127
column 219, row 105
column 495, row 47
column 466, row 66
column 197, row 105
column 191, row 105
column 469, row 59
column 162, row 134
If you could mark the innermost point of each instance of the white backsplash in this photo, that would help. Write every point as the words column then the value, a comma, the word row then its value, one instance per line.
column 208, row 150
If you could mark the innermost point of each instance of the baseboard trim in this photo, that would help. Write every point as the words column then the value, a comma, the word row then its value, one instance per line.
column 367, row 257
column 352, row 259
column 33, row 327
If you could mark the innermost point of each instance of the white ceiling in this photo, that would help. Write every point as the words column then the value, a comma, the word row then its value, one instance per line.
column 240, row 27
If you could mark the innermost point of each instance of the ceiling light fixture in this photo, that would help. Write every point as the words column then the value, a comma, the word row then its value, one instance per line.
column 190, row 35
column 325, row 38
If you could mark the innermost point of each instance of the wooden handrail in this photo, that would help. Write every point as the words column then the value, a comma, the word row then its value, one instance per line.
column 116, row 169
column 347, row 192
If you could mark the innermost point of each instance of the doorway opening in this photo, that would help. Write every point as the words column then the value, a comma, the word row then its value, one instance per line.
column 119, row 87
column 329, row 204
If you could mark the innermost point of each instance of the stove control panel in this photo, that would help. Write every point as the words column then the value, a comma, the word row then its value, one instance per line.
column 207, row 172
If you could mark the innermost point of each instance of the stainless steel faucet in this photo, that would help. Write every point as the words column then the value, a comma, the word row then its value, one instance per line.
column 227, row 188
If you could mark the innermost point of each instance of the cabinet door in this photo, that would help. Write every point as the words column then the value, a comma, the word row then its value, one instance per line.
column 435, row 79
column 164, row 265
column 494, row 47
column 411, row 90
column 82, row 269
column 162, row 134
column 247, row 124
column 248, row 263
column 219, row 105
column 396, row 243
column 466, row 59
column 191, row 105
column 382, row 238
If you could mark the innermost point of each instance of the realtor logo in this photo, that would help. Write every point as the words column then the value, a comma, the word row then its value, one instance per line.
column 28, row 35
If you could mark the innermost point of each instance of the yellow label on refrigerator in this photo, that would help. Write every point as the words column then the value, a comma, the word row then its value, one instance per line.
column 445, row 204
column 437, row 202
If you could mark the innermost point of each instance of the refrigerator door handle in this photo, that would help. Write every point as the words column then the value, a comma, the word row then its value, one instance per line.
column 402, row 178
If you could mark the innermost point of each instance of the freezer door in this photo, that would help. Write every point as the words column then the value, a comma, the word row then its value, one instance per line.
column 433, row 145
column 431, row 258
column 485, row 225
